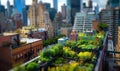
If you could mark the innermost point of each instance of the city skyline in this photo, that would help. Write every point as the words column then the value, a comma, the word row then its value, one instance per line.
column 60, row 35
column 60, row 3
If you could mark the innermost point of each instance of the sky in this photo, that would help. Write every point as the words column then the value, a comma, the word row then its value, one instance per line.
column 101, row 3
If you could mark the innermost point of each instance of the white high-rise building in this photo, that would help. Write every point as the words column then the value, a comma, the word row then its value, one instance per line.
column 83, row 22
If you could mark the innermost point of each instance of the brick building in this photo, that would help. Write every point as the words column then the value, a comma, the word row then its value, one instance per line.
column 33, row 32
column 73, row 36
column 14, row 51
column 66, row 31
column 95, row 25
column 40, row 35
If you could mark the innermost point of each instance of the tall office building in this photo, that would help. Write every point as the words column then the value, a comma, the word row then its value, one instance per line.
column 57, row 24
column 63, row 7
column 47, row 6
column 52, row 11
column 55, row 4
column 116, row 23
column 114, row 3
column 9, row 9
column 84, row 5
column 39, row 17
column 96, row 9
column 73, row 6
column 83, row 22
column 115, row 6
column 111, row 16
column 106, row 16
column 2, row 8
column 90, row 4
column 20, row 6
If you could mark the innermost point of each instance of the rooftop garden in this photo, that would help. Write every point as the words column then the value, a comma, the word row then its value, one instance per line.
column 74, row 56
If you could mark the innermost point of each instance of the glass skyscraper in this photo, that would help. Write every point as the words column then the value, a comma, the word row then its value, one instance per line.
column 114, row 3
column 73, row 6
column 19, row 5
column 2, row 8
column 55, row 4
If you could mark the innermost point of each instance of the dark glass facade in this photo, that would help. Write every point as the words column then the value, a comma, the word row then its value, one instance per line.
column 20, row 6
column 47, row 6
column 114, row 3
column 52, row 11
column 2, row 8
column 73, row 6
column 55, row 4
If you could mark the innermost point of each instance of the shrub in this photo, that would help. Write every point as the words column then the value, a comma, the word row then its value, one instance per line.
column 19, row 68
column 48, row 54
column 67, row 52
column 32, row 66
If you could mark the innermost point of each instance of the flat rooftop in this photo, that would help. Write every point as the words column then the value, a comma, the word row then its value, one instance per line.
column 29, row 40
column 8, row 34
column 64, row 38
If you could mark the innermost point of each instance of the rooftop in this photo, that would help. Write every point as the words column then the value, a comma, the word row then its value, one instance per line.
column 8, row 34
column 29, row 40
column 64, row 38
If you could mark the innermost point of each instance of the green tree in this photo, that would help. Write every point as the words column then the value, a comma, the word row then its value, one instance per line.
column 32, row 66
column 52, row 40
column 103, row 27
column 19, row 68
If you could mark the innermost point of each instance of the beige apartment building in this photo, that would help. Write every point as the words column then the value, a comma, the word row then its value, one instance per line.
column 39, row 17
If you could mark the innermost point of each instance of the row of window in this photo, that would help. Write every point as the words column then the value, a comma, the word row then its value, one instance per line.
column 26, row 55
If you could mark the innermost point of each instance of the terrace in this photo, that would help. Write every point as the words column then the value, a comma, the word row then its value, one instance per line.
column 87, row 54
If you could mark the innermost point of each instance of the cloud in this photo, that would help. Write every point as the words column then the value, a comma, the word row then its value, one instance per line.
column 28, row 2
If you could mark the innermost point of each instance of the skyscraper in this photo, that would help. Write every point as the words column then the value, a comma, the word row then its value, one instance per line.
column 47, row 6
column 113, row 19
column 115, row 6
column 114, row 3
column 83, row 22
column 63, row 11
column 90, row 4
column 2, row 8
column 39, row 17
column 116, row 23
column 55, row 4
column 73, row 6
column 96, row 10
column 20, row 6
column 9, row 9
column 106, row 16
column 52, row 11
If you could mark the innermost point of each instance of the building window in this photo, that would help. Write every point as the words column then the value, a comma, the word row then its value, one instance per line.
column 38, row 49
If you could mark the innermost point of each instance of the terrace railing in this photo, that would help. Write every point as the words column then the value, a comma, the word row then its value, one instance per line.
column 99, row 64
